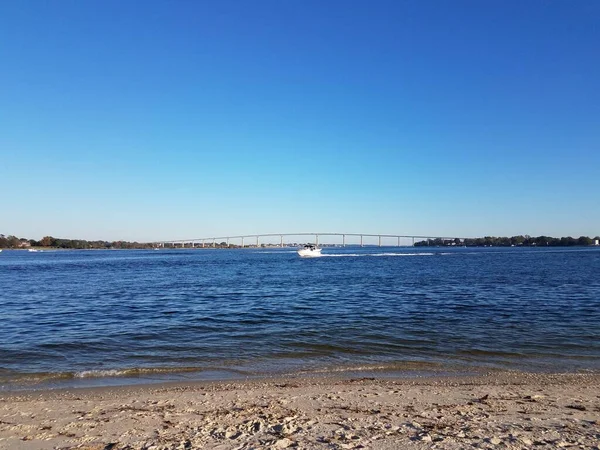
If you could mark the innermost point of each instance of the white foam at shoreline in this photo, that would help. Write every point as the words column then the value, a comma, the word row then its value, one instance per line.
column 101, row 373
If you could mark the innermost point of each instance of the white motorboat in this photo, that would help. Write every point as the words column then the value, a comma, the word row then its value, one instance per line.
column 32, row 250
column 309, row 251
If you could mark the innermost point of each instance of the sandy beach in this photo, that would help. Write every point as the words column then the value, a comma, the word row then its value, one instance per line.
column 505, row 410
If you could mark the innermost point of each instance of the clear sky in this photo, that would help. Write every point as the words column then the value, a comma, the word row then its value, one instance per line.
column 148, row 120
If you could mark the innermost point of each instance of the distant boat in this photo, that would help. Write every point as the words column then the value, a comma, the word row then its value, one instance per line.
column 309, row 251
column 32, row 250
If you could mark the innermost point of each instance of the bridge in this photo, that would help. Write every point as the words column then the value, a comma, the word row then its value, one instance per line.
column 254, row 240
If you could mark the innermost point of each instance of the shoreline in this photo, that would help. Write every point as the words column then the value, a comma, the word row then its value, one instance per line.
column 157, row 376
column 496, row 409
column 84, row 384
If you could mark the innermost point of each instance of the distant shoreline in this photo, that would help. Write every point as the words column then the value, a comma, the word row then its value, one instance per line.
column 51, row 243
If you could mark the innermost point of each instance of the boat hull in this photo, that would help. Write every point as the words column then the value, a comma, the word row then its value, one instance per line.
column 309, row 253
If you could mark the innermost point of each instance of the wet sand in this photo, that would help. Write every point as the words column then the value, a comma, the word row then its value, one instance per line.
column 502, row 410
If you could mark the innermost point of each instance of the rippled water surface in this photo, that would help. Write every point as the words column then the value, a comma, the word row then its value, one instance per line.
column 212, row 313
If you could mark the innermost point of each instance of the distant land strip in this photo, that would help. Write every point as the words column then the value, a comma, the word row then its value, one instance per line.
column 13, row 242
column 514, row 241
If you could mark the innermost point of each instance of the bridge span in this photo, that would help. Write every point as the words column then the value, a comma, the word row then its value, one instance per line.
column 254, row 240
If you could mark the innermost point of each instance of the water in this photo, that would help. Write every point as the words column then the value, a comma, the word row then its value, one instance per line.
column 71, row 318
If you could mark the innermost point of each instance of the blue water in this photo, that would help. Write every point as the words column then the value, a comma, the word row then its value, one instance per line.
column 118, row 316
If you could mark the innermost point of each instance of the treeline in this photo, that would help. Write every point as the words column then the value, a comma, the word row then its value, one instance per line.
column 515, row 241
column 52, row 242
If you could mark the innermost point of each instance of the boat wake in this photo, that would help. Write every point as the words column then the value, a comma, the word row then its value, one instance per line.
column 354, row 255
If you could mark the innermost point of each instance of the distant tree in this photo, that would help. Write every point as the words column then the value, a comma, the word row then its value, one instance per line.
column 584, row 240
column 13, row 242
column 488, row 240
column 47, row 241
column 517, row 240
column 541, row 240
column 568, row 241
column 505, row 242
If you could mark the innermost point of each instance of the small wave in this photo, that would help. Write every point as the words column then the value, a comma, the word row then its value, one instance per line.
column 132, row 372
column 345, row 369
column 41, row 377
column 100, row 373
column 398, row 366
column 35, row 377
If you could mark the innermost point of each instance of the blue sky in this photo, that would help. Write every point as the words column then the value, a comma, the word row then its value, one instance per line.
column 164, row 120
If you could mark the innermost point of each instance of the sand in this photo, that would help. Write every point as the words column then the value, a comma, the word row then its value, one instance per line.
column 506, row 410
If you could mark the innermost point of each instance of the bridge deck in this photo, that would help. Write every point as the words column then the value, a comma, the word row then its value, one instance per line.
column 257, row 237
